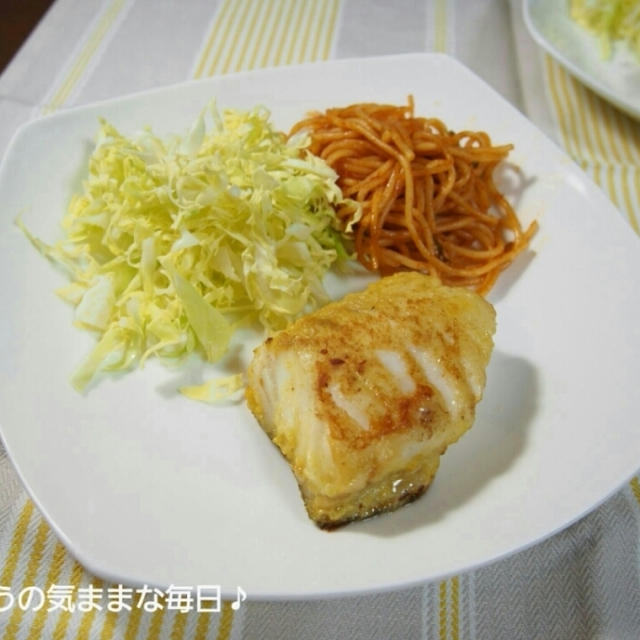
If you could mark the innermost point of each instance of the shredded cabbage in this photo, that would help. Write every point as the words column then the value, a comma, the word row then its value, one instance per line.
column 215, row 389
column 610, row 20
column 173, row 244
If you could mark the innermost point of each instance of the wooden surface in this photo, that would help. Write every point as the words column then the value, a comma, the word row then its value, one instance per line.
column 17, row 19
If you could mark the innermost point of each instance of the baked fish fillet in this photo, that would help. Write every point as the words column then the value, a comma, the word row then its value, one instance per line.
column 363, row 396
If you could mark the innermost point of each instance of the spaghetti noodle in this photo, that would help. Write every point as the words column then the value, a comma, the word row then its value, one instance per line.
column 427, row 195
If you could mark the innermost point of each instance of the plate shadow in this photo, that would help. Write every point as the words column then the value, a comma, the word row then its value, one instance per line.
column 497, row 438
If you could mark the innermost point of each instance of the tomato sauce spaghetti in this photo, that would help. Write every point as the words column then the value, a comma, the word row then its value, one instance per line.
column 427, row 194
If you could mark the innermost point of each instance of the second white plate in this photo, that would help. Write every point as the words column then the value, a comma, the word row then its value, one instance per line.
column 616, row 79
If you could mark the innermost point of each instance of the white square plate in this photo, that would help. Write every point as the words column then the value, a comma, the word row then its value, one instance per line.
column 145, row 486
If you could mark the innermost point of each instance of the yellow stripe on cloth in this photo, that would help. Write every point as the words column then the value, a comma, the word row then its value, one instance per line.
column 300, row 54
column 443, row 610
column 87, row 619
column 219, row 19
column 440, row 25
column 245, row 35
column 202, row 626
column 601, row 139
column 109, row 626
column 226, row 622
column 455, row 608
column 315, row 46
column 449, row 609
column 635, row 488
column 556, row 102
column 53, row 575
column 294, row 33
column 231, row 49
column 253, row 40
column 249, row 51
column 270, row 39
column 17, row 540
column 291, row 11
column 179, row 625
column 333, row 19
column 157, row 618
column 93, row 42
column 60, row 631
column 133, row 623
column 35, row 557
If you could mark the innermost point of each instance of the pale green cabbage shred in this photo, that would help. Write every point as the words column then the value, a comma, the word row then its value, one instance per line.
column 610, row 20
column 175, row 243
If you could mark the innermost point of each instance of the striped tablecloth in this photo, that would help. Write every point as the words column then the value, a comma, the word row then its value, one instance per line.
column 582, row 583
